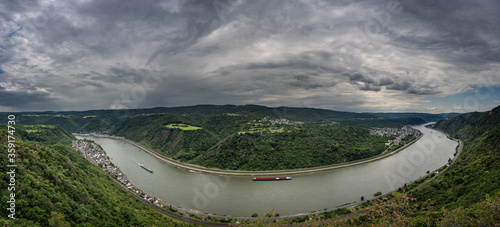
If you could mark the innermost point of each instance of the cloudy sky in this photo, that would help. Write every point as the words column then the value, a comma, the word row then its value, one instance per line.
column 380, row 56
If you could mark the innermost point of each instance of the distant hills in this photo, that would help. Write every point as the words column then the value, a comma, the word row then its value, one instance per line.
column 231, row 137
column 425, row 116
column 104, row 120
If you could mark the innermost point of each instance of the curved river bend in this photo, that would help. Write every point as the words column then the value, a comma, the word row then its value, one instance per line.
column 240, row 196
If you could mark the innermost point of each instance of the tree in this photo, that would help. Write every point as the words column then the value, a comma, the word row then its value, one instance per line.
column 57, row 219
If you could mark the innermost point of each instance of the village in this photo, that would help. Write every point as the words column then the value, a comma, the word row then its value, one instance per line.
column 280, row 121
column 399, row 133
column 95, row 154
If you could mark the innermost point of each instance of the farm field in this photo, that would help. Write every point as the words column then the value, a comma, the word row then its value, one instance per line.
column 183, row 126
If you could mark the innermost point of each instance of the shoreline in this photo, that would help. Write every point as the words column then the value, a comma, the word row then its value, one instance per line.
column 241, row 173
column 459, row 150
column 204, row 215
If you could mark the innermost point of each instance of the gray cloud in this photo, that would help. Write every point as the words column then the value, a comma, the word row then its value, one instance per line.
column 358, row 77
column 368, row 87
column 400, row 86
column 87, row 55
column 385, row 81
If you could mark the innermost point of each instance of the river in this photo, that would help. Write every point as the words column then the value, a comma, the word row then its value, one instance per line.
column 240, row 196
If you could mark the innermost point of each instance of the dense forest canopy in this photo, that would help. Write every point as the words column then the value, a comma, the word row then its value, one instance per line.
column 247, row 137
column 105, row 120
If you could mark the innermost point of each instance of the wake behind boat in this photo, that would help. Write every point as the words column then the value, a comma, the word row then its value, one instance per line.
column 146, row 168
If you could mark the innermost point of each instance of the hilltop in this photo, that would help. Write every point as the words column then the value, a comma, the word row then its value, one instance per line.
column 105, row 120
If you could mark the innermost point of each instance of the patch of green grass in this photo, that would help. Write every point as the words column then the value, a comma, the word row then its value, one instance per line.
column 37, row 128
column 183, row 126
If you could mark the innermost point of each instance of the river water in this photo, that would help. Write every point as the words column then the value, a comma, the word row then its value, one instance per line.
column 240, row 196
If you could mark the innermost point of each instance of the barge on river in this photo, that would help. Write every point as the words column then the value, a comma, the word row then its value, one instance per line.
column 146, row 168
column 271, row 178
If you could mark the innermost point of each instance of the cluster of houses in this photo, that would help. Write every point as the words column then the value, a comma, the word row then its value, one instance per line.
column 96, row 155
column 96, row 134
column 399, row 133
column 92, row 152
column 279, row 121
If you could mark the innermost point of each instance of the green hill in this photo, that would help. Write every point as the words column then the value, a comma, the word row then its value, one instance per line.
column 425, row 116
column 56, row 186
column 467, row 194
column 105, row 120
column 294, row 147
column 384, row 122
column 477, row 172
column 242, row 142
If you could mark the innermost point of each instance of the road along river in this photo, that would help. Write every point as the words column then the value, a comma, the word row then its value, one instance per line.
column 240, row 196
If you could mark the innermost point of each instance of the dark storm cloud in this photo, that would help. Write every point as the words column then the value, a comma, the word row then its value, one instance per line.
column 368, row 87
column 263, row 52
column 399, row 86
column 308, row 82
column 462, row 32
column 354, row 78
column 311, row 60
column 385, row 81
column 23, row 98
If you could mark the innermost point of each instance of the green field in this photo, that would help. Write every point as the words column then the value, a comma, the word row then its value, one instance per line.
column 37, row 128
column 183, row 126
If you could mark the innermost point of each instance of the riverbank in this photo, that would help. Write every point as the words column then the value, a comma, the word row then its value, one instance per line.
column 420, row 186
column 237, row 173
column 245, row 217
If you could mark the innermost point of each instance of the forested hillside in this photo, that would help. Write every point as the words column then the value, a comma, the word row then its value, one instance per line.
column 56, row 186
column 384, row 122
column 235, row 141
column 425, row 116
column 307, row 146
column 467, row 194
column 477, row 172
column 106, row 120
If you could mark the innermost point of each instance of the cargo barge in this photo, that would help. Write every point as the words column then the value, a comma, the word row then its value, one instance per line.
column 271, row 178
column 146, row 168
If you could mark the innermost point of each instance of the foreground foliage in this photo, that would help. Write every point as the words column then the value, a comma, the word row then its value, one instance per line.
column 56, row 186
column 467, row 194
